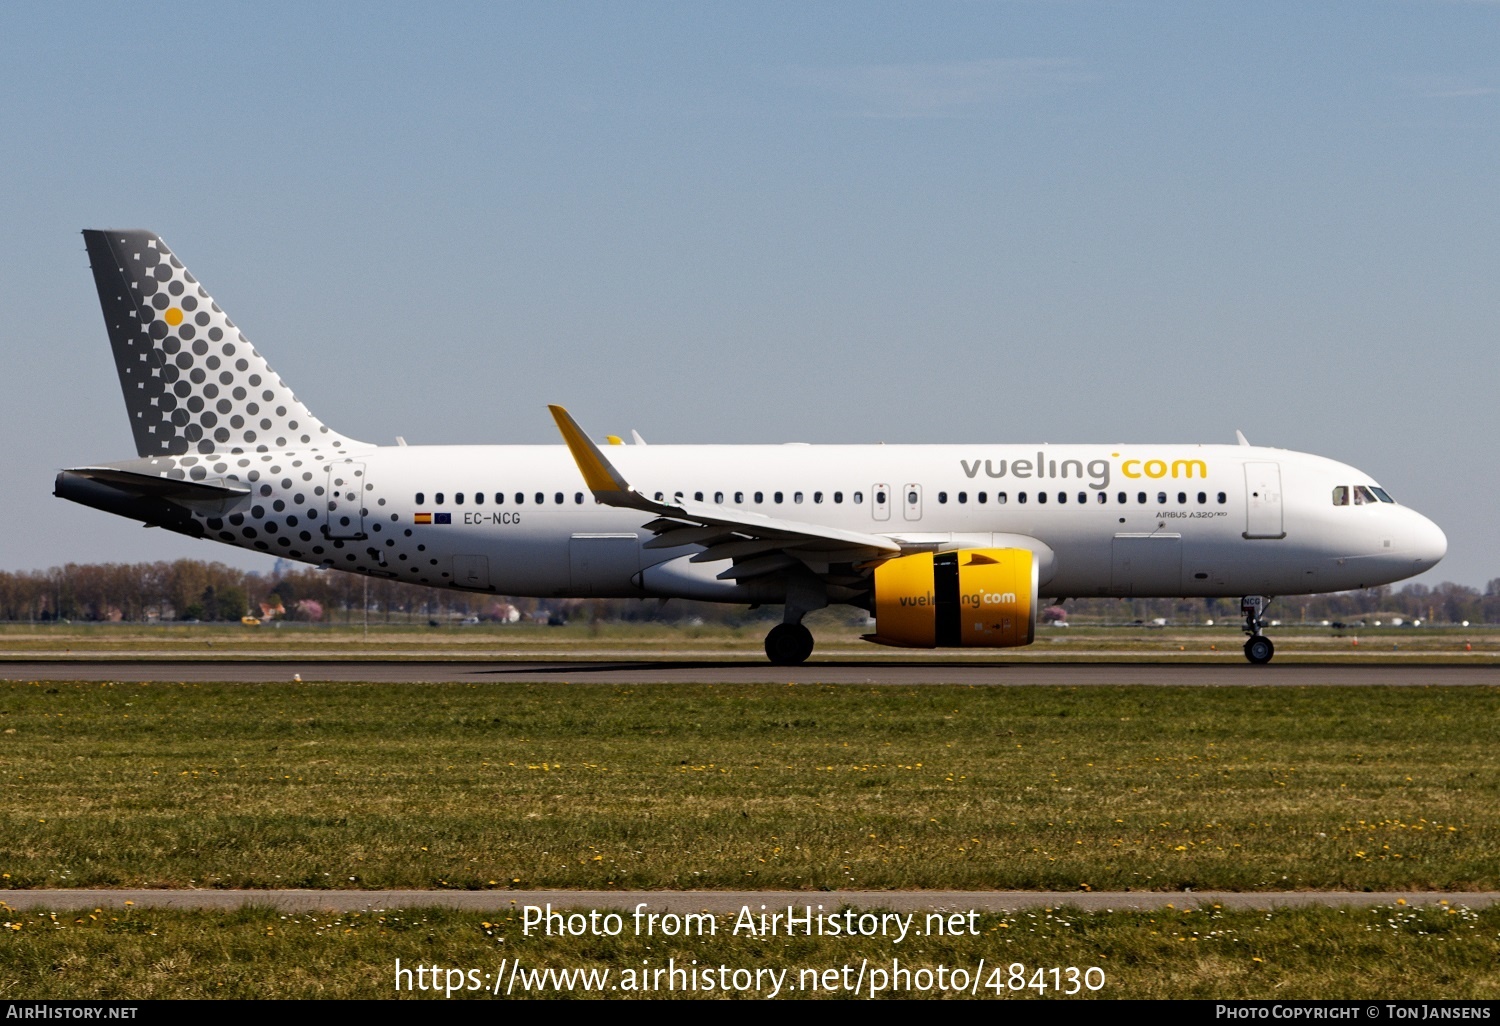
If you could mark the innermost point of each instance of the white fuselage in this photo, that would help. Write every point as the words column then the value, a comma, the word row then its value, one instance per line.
column 933, row 539
column 1110, row 520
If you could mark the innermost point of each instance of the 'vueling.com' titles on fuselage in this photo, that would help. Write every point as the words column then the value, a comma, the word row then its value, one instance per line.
column 226, row 451
column 1097, row 470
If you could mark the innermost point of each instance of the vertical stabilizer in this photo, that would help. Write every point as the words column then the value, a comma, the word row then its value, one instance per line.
column 192, row 382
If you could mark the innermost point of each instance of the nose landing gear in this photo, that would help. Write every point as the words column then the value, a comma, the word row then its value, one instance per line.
column 1258, row 648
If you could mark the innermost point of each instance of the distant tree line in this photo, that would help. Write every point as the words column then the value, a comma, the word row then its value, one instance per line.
column 189, row 589
column 1446, row 603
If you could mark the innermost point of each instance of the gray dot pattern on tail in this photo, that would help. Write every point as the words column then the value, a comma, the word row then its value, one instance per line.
column 192, row 381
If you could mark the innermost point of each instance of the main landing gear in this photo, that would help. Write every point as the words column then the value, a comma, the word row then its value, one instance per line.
column 1258, row 648
column 789, row 644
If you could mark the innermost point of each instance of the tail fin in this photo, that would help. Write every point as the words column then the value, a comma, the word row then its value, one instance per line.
column 192, row 382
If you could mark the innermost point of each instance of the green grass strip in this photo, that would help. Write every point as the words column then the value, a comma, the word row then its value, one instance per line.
column 601, row 786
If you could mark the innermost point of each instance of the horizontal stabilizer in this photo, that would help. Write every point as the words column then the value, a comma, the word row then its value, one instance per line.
column 152, row 486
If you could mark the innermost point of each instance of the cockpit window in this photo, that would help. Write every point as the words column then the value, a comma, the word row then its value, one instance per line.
column 1381, row 494
column 1341, row 495
column 1363, row 495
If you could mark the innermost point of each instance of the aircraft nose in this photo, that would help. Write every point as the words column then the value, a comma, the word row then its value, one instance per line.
column 1428, row 542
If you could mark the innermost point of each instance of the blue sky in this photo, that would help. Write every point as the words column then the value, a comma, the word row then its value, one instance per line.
column 1035, row 221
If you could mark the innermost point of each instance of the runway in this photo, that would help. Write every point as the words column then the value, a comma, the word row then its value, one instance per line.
column 729, row 901
column 1236, row 674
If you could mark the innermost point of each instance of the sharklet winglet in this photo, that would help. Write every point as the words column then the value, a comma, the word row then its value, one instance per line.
column 608, row 484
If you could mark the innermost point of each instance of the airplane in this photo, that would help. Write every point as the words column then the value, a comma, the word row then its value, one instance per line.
column 944, row 545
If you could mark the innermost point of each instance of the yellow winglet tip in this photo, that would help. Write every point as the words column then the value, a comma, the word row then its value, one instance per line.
column 596, row 471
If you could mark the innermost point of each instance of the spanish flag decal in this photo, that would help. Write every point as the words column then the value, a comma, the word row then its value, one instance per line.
column 422, row 518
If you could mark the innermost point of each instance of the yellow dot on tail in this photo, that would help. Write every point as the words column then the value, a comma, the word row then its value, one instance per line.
column 173, row 317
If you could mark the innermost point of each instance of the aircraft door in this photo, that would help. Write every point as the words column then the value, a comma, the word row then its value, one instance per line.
column 880, row 502
column 604, row 565
column 344, row 500
column 1263, row 501
column 1146, row 565
column 911, row 501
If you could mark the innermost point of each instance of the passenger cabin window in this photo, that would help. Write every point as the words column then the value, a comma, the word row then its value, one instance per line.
column 1140, row 497
column 558, row 498
column 438, row 499
column 1203, row 498
column 817, row 496
column 838, row 497
column 760, row 496
column 739, row 497
column 421, row 499
column 1103, row 498
column 1021, row 497
column 1182, row 498
column 1000, row 498
column 777, row 497
column 1161, row 498
column 479, row 498
column 797, row 497
column 718, row 498
column 858, row 497
column 521, row 498
column 540, row 498
column 963, row 497
column 1223, row 498
column 697, row 496
column 1341, row 495
column 578, row 498
column 942, row 497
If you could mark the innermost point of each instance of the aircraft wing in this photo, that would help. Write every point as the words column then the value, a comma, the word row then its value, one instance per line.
column 758, row 544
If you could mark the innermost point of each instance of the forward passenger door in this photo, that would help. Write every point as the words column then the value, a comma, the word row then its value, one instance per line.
column 1263, row 501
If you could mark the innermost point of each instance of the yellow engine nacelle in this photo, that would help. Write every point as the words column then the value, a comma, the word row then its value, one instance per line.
column 972, row 598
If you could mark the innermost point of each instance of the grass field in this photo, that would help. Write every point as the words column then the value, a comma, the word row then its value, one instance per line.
column 1373, row 953
column 807, row 787
column 837, row 638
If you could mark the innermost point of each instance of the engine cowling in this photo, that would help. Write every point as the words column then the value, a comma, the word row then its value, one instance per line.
column 972, row 598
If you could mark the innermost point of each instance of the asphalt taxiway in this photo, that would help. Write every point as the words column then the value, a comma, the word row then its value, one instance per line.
column 737, row 672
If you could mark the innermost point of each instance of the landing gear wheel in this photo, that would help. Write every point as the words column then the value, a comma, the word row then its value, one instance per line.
column 1259, row 650
column 789, row 644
